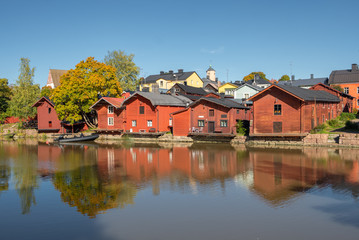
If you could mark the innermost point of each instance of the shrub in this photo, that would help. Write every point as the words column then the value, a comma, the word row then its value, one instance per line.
column 334, row 123
column 240, row 129
column 355, row 111
column 345, row 116
column 318, row 129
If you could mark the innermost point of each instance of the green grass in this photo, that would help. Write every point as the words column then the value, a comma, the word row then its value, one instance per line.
column 331, row 125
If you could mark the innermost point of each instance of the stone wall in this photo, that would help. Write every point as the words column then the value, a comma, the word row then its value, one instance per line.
column 349, row 139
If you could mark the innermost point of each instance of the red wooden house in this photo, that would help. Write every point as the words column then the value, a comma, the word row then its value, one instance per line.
column 209, row 115
column 47, row 119
column 110, row 114
column 281, row 110
column 150, row 112
column 346, row 101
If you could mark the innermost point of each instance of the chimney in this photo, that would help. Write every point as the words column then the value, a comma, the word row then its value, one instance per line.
column 293, row 77
column 354, row 67
column 170, row 71
column 162, row 72
column 311, row 76
column 180, row 70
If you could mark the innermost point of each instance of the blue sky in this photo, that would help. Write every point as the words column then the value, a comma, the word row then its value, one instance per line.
column 236, row 37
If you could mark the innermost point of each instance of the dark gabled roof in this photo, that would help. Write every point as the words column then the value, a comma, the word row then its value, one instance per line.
column 344, row 76
column 222, row 101
column 304, row 82
column 42, row 99
column 158, row 99
column 116, row 102
column 334, row 90
column 178, row 76
column 191, row 90
column 310, row 95
column 192, row 97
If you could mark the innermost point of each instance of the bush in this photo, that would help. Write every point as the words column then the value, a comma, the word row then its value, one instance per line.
column 318, row 129
column 240, row 129
column 334, row 122
column 355, row 111
column 345, row 116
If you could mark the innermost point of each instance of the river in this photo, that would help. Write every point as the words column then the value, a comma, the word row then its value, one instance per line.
column 209, row 191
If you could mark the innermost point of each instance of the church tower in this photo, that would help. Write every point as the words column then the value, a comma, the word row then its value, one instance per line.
column 211, row 74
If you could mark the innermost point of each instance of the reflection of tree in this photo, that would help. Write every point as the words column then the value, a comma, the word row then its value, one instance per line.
column 82, row 188
column 25, row 175
column 5, row 173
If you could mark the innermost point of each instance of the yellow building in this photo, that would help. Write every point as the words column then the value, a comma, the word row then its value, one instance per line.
column 227, row 88
column 165, row 81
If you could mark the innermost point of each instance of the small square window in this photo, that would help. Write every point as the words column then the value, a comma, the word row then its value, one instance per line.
column 110, row 121
column 224, row 123
column 277, row 109
column 346, row 90
column 149, row 123
column 211, row 112
column 134, row 123
column 142, row 109
column 200, row 123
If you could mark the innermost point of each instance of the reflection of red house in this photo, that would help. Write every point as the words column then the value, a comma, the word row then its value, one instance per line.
column 209, row 115
column 281, row 109
column 47, row 120
column 150, row 112
column 346, row 101
column 111, row 114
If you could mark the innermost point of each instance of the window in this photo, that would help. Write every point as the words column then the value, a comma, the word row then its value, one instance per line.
column 323, row 118
column 357, row 89
column 170, row 122
column 49, row 110
column 328, row 115
column 142, row 109
column 223, row 123
column 200, row 123
column 134, row 123
column 357, row 102
column 277, row 109
column 110, row 109
column 110, row 121
column 50, row 123
column 246, row 95
column 149, row 123
column 161, row 83
column 237, row 111
column 211, row 112
column 224, row 116
column 346, row 90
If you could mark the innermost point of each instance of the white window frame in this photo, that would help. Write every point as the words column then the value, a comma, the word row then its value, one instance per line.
column 109, row 122
column 346, row 90
column 134, row 123
column 149, row 123
column 110, row 109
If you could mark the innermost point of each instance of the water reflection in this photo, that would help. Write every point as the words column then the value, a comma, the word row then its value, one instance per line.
column 95, row 178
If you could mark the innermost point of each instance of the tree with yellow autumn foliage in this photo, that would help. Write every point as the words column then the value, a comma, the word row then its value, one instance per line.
column 251, row 76
column 80, row 88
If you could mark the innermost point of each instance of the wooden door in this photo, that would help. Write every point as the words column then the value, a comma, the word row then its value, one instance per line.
column 211, row 127
column 277, row 127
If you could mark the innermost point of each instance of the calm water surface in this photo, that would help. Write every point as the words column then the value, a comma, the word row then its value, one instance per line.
column 177, row 192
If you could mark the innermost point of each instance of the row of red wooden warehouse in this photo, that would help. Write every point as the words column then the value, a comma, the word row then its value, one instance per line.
column 275, row 110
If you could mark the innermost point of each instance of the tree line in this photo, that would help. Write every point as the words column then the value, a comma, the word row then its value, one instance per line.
column 79, row 88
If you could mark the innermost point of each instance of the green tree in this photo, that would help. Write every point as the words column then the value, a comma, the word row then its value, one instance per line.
column 46, row 91
column 251, row 76
column 126, row 70
column 25, row 92
column 5, row 94
column 284, row 78
column 337, row 87
column 80, row 87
